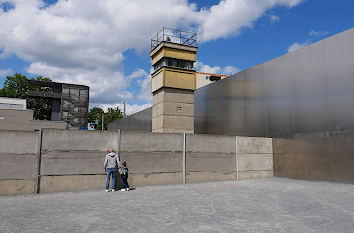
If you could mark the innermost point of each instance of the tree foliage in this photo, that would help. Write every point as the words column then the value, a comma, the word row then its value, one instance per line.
column 16, row 86
column 95, row 117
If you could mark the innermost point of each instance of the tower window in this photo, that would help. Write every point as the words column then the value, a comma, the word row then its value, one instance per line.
column 172, row 62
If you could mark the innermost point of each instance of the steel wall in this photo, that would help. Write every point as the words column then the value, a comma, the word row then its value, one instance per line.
column 140, row 121
column 306, row 91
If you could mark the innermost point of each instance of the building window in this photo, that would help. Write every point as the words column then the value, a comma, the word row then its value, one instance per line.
column 172, row 62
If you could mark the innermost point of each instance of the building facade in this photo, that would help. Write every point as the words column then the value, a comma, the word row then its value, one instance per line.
column 70, row 102
column 12, row 103
column 203, row 79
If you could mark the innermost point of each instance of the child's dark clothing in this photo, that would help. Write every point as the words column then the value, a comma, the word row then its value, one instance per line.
column 124, row 175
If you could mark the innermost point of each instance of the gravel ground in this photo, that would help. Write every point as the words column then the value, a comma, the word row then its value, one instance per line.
column 264, row 205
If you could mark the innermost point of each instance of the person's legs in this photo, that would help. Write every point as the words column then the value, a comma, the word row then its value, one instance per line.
column 114, row 172
column 108, row 178
column 124, row 182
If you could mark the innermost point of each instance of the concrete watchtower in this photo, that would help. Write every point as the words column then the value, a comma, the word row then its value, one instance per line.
column 173, row 81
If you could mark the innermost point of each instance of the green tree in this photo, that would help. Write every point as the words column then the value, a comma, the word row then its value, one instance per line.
column 16, row 86
column 95, row 117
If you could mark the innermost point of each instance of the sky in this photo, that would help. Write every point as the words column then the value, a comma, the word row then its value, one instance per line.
column 105, row 44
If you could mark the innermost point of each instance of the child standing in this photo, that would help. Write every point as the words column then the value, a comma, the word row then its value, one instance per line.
column 124, row 174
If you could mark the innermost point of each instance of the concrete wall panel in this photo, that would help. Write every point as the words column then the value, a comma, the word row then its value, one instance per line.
column 135, row 180
column 208, row 176
column 17, row 166
column 143, row 162
column 255, row 174
column 72, row 183
column 210, row 143
column 72, row 162
column 320, row 156
column 150, row 142
column 18, row 155
column 255, row 162
column 210, row 158
column 13, row 187
column 79, row 140
column 254, row 145
column 18, row 142
column 215, row 162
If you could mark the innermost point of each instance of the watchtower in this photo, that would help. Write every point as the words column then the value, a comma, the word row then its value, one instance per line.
column 173, row 81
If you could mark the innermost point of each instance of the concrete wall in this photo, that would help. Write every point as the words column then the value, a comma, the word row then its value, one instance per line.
column 18, row 162
column 213, row 158
column 73, row 159
column 210, row 158
column 255, row 157
column 319, row 156
column 153, row 158
column 173, row 111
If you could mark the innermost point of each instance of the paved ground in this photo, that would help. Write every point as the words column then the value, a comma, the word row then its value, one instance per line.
column 270, row 205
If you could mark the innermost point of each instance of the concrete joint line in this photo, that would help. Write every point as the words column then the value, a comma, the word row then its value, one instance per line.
column 118, row 144
column 184, row 159
column 236, row 159
column 38, row 160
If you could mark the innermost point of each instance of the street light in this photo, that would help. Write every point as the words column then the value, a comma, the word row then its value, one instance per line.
column 102, row 120
column 123, row 108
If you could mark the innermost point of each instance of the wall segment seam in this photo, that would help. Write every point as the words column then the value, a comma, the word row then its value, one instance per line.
column 39, row 160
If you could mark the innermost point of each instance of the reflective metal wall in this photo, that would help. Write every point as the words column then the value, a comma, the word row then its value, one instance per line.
column 140, row 121
column 306, row 91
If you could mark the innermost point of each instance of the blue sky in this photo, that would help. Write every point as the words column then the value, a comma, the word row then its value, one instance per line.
column 106, row 47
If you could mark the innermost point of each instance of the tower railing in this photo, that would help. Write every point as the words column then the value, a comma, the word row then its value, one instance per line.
column 175, row 36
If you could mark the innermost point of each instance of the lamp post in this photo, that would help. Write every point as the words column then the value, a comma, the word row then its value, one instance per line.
column 123, row 108
column 102, row 120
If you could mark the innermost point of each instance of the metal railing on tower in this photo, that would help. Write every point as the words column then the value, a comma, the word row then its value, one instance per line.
column 174, row 36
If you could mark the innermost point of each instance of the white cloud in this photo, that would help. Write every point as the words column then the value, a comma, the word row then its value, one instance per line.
column 83, row 41
column 145, row 89
column 274, row 18
column 312, row 33
column 227, row 70
column 230, row 70
column 318, row 33
column 230, row 16
column 5, row 72
column 296, row 46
